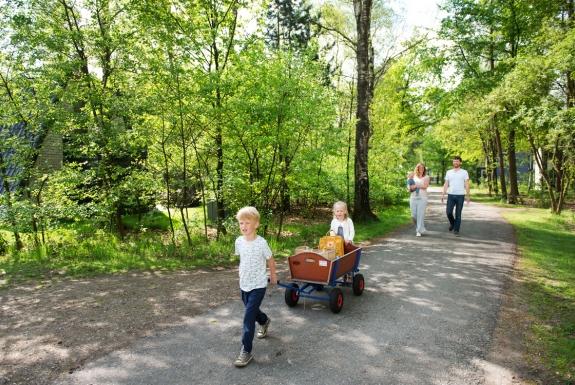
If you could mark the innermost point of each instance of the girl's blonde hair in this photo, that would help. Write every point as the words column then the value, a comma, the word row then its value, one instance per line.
column 248, row 212
column 341, row 204
column 417, row 167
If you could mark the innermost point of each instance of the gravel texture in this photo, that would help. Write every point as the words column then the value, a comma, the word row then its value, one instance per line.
column 428, row 316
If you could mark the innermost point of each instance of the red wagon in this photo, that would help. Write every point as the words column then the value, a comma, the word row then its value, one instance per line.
column 310, row 271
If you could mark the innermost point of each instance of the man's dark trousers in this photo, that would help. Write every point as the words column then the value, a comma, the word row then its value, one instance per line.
column 457, row 202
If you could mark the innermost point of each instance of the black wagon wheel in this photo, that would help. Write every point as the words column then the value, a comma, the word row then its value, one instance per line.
column 335, row 300
column 292, row 295
column 358, row 284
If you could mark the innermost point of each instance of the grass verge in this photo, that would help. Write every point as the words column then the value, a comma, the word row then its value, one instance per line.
column 79, row 250
column 546, row 244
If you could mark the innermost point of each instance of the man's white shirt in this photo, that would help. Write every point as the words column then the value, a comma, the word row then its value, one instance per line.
column 456, row 181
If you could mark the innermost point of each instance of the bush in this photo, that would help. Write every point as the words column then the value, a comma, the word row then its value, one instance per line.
column 3, row 245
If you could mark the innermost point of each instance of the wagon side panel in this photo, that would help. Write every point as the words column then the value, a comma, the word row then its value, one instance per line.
column 310, row 267
column 345, row 264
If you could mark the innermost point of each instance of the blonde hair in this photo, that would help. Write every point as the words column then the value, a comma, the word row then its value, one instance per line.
column 248, row 212
column 341, row 204
column 417, row 167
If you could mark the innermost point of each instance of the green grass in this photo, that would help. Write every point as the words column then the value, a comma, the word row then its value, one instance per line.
column 481, row 195
column 80, row 250
column 158, row 220
column 547, row 246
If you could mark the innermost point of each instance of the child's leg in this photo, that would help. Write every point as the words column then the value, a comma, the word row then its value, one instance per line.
column 252, row 301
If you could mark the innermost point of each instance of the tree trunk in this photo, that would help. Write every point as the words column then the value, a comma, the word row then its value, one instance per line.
column 362, row 210
column 512, row 159
column 486, row 154
column 501, row 163
column 544, row 174
column 493, row 170
column 167, row 180
column 349, row 145
column 184, row 147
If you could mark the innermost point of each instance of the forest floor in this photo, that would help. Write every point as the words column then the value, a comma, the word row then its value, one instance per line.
column 54, row 327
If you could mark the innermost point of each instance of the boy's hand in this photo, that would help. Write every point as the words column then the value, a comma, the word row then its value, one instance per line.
column 273, row 279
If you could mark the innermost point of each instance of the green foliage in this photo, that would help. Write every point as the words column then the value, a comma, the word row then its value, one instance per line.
column 282, row 123
column 153, row 220
column 546, row 243
column 3, row 245
column 78, row 250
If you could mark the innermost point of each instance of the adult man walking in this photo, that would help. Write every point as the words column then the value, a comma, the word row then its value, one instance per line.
column 457, row 181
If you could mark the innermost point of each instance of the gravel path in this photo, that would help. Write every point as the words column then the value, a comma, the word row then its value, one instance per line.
column 426, row 317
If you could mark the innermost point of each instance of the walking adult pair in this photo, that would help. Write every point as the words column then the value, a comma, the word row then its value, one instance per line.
column 456, row 186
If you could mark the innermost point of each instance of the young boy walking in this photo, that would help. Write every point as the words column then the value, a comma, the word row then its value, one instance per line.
column 254, row 252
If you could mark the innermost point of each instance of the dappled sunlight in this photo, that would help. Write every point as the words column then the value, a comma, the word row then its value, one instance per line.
column 424, row 303
column 111, row 309
column 495, row 374
column 367, row 344
column 424, row 317
column 20, row 344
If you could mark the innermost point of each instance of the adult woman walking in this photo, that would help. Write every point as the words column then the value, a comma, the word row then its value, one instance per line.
column 418, row 198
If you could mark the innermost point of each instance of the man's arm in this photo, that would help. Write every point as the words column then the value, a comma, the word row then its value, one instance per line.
column 445, row 186
column 272, row 267
column 467, row 191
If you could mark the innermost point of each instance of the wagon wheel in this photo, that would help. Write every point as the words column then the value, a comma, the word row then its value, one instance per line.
column 335, row 300
column 358, row 284
column 292, row 295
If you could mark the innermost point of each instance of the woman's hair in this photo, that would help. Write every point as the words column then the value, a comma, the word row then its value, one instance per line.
column 248, row 212
column 341, row 204
column 417, row 167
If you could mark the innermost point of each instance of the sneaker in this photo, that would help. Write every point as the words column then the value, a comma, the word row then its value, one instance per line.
column 418, row 234
column 243, row 359
column 263, row 330
column 456, row 233
column 450, row 227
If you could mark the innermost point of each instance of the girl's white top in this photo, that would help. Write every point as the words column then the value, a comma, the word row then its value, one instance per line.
column 253, row 257
column 348, row 230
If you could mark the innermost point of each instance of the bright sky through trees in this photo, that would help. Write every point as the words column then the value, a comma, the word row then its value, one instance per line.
column 422, row 14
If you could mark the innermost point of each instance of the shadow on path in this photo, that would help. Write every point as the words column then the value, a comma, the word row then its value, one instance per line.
column 426, row 317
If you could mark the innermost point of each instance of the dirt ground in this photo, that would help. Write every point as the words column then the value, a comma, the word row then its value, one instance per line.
column 57, row 326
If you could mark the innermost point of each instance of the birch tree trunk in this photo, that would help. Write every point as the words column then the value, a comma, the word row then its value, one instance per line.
column 362, row 210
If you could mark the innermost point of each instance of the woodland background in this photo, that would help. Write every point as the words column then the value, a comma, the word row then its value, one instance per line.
column 166, row 111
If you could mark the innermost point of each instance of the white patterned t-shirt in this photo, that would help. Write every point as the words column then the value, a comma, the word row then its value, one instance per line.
column 253, row 257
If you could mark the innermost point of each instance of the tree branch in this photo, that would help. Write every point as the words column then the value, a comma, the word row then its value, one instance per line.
column 386, row 64
column 352, row 44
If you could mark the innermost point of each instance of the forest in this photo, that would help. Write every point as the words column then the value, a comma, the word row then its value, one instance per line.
column 138, row 128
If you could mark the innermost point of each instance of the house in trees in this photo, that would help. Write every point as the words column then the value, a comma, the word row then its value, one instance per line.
column 25, row 152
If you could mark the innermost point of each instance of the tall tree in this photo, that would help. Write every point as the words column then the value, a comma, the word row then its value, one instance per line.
column 288, row 24
column 364, row 51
